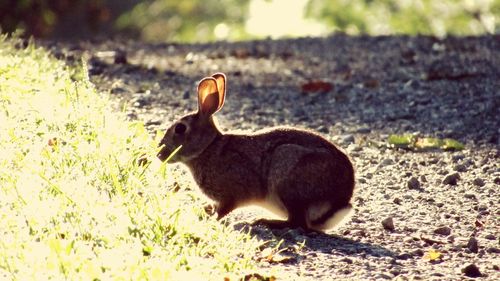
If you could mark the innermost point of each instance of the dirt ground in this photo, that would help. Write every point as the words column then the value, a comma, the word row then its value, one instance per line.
column 419, row 215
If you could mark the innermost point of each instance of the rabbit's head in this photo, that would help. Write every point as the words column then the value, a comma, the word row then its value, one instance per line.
column 196, row 131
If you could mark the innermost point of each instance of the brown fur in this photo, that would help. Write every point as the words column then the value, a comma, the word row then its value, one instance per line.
column 290, row 171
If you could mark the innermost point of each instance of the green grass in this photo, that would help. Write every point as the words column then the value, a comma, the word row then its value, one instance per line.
column 411, row 141
column 74, row 202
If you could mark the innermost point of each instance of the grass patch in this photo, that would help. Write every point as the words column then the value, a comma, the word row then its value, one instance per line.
column 413, row 142
column 74, row 201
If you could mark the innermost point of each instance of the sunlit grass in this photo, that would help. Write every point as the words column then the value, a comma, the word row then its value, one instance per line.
column 75, row 202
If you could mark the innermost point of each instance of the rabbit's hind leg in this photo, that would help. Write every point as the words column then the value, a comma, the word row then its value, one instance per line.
column 296, row 219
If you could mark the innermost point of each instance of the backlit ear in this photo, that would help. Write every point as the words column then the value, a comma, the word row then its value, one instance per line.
column 208, row 96
column 221, row 86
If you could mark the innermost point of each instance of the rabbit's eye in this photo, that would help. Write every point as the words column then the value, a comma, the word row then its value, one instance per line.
column 180, row 128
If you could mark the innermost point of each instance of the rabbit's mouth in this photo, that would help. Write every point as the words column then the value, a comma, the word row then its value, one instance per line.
column 164, row 153
column 170, row 154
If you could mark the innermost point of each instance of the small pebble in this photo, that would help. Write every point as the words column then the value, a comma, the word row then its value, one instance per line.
column 470, row 196
column 404, row 256
column 493, row 250
column 473, row 245
column 444, row 230
column 457, row 157
column 478, row 182
column 346, row 260
column 388, row 224
column 413, row 183
column 490, row 236
column 417, row 252
column 347, row 139
column 451, row 179
column 363, row 130
column 384, row 276
column 471, row 270
column 460, row 168
column 386, row 162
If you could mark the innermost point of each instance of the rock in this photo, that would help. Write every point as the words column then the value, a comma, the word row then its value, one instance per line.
column 417, row 253
column 473, row 245
column 493, row 250
column 471, row 270
column 120, row 57
column 384, row 276
column 470, row 196
column 346, row 260
column 388, row 224
column 478, row 182
column 323, row 129
column 386, row 162
column 490, row 236
column 404, row 256
column 451, row 179
column 444, row 230
column 118, row 90
column 358, row 233
column 460, row 168
column 457, row 157
column 413, row 183
column 423, row 178
column 363, row 130
column 347, row 139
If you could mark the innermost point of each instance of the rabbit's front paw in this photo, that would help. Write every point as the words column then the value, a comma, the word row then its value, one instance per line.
column 210, row 209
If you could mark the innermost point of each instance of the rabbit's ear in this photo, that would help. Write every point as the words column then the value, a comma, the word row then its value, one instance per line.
column 208, row 96
column 221, row 86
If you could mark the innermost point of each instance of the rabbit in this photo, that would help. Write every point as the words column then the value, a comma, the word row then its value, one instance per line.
column 294, row 173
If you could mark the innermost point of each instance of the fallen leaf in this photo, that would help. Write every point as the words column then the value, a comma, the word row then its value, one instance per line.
column 432, row 255
column 316, row 86
column 478, row 224
column 371, row 83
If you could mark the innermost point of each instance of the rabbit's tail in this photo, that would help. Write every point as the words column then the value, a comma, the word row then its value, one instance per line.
column 335, row 217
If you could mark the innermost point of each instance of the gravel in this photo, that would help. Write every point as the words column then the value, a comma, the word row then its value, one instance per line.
column 444, row 202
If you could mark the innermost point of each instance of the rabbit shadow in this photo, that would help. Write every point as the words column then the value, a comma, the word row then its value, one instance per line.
column 317, row 242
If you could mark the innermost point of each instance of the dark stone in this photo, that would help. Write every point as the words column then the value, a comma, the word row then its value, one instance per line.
column 444, row 230
column 388, row 224
column 413, row 183
column 473, row 245
column 472, row 271
column 451, row 179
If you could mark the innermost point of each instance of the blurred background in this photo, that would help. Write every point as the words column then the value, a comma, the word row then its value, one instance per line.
column 233, row 20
